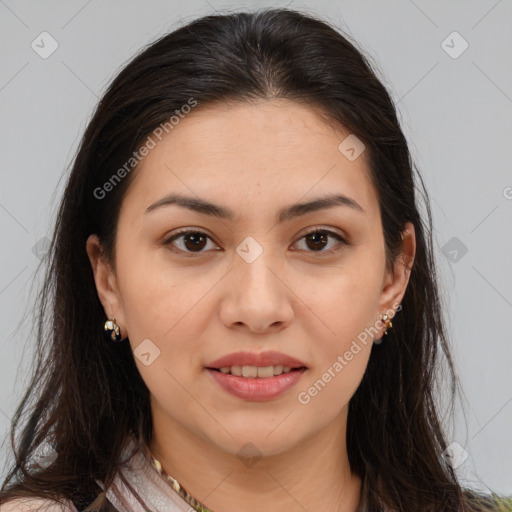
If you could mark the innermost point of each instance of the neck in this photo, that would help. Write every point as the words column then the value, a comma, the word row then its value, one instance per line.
column 313, row 476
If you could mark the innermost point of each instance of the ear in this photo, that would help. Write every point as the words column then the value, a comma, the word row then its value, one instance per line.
column 106, row 283
column 395, row 283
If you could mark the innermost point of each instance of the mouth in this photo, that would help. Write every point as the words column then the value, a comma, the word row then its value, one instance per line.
column 257, row 372
column 256, row 384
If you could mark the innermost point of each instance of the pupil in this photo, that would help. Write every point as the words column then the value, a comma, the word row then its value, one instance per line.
column 194, row 237
column 316, row 236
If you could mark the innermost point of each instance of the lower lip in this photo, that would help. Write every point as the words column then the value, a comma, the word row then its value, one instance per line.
column 256, row 389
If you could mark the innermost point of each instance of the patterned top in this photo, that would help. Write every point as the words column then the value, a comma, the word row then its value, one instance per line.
column 140, row 475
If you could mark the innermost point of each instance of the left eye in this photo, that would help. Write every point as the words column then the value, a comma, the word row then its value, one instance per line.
column 320, row 236
column 195, row 241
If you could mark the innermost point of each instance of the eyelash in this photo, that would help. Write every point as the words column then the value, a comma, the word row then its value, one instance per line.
column 343, row 242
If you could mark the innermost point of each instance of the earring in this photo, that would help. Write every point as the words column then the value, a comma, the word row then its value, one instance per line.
column 387, row 322
column 113, row 331
column 387, row 325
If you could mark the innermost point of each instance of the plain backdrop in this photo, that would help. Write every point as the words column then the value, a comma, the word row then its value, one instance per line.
column 448, row 67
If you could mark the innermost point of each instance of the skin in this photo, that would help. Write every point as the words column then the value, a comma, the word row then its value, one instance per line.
column 253, row 159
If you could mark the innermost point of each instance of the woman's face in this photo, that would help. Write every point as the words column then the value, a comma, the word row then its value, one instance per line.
column 252, row 282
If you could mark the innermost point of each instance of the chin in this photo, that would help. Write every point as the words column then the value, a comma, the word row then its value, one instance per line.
column 256, row 443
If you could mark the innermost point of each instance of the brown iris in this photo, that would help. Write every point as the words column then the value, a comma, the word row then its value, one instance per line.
column 319, row 240
column 197, row 241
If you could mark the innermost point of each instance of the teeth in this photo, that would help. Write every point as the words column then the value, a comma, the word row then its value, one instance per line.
column 249, row 371
column 261, row 372
column 236, row 370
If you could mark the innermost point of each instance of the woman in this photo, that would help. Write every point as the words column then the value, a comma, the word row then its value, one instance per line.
column 241, row 222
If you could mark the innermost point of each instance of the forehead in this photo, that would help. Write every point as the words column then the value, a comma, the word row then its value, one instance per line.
column 265, row 154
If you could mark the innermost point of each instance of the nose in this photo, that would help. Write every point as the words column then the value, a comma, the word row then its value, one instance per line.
column 256, row 296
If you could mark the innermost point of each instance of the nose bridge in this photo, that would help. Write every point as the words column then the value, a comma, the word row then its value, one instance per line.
column 257, row 287
column 254, row 262
column 256, row 295
column 257, row 298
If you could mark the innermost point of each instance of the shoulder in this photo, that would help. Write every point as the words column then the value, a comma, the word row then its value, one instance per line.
column 36, row 505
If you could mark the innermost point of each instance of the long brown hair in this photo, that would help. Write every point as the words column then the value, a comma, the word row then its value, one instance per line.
column 86, row 395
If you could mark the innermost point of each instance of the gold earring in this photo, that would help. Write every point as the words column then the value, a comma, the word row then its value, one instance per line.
column 387, row 325
column 113, row 330
column 387, row 321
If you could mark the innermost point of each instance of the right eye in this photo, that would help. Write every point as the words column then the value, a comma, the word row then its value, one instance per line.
column 193, row 241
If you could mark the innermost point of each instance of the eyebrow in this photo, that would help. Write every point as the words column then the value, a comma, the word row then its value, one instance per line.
column 284, row 214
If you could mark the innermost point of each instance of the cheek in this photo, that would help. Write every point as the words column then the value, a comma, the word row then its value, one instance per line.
column 344, row 314
column 344, row 301
column 165, row 306
column 341, row 362
column 154, row 296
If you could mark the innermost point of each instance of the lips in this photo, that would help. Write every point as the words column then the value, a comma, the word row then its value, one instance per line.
column 268, row 358
column 257, row 390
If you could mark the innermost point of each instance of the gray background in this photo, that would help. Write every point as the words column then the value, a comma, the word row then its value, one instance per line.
column 456, row 113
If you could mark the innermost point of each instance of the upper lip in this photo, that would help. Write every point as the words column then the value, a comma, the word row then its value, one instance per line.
column 269, row 358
